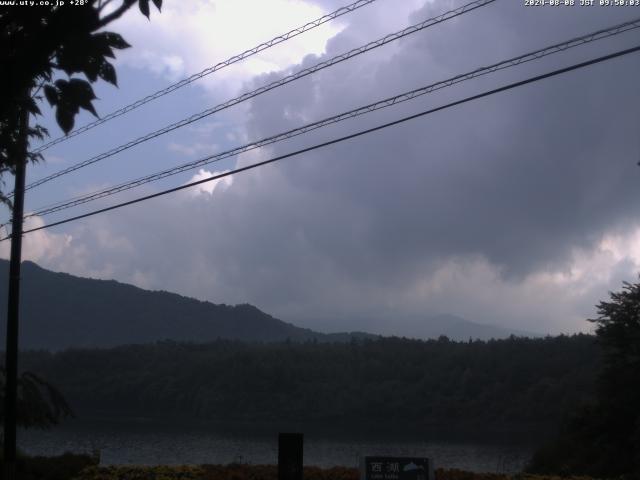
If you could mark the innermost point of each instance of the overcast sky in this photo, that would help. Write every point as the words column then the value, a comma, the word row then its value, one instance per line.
column 519, row 210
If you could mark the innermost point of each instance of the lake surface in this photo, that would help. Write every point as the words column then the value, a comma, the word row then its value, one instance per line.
column 153, row 445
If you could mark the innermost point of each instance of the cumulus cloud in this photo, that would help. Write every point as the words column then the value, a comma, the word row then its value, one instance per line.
column 520, row 209
column 40, row 246
column 209, row 187
column 188, row 37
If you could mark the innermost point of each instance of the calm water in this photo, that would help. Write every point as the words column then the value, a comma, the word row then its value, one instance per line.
column 146, row 445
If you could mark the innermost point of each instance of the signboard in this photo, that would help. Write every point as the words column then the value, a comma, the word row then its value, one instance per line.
column 396, row 468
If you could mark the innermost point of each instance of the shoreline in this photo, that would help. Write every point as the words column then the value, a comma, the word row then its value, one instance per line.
column 79, row 467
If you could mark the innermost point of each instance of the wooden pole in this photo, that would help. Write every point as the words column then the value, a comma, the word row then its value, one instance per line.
column 13, row 310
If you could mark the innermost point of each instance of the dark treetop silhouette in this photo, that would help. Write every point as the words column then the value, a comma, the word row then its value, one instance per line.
column 37, row 44
column 603, row 438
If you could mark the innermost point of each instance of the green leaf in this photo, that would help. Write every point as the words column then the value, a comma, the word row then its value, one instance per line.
column 32, row 107
column 87, row 53
column 81, row 89
column 34, row 157
column 100, row 45
column 92, row 68
column 115, row 40
column 61, row 84
column 73, row 95
column 38, row 131
column 144, row 7
column 103, row 45
column 64, row 117
column 72, row 56
column 82, row 94
column 108, row 73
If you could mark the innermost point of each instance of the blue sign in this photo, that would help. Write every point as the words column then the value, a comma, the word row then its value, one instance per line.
column 396, row 468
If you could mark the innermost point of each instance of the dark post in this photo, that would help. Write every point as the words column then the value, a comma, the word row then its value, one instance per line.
column 290, row 456
column 11, row 362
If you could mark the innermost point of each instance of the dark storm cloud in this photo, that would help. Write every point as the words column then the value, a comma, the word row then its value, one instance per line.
column 521, row 177
column 518, row 180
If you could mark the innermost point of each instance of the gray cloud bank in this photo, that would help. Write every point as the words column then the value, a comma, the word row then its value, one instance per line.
column 496, row 210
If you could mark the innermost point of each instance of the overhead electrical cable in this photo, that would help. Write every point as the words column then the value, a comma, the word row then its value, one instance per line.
column 278, row 83
column 343, row 138
column 380, row 104
column 207, row 71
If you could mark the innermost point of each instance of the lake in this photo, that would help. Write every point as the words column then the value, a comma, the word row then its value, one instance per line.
column 143, row 444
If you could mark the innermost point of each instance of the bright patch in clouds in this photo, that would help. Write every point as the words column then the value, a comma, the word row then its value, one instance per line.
column 623, row 247
column 170, row 66
column 546, row 301
column 209, row 187
column 41, row 246
column 188, row 37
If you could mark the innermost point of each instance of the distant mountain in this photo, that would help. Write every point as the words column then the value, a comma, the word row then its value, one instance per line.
column 420, row 327
column 59, row 310
column 457, row 328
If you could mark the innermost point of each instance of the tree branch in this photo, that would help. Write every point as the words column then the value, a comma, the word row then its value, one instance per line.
column 102, row 4
column 126, row 5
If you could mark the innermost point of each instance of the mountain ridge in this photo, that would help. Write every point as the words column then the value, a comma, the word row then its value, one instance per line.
column 124, row 314
column 56, row 308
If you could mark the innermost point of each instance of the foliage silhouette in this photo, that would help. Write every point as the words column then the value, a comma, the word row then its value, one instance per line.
column 603, row 439
column 40, row 404
column 62, row 467
column 419, row 387
column 39, row 44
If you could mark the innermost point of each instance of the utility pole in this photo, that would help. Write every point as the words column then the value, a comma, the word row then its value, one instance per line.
column 13, row 311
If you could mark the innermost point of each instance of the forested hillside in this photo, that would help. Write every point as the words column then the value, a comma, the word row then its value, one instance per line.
column 390, row 383
column 59, row 311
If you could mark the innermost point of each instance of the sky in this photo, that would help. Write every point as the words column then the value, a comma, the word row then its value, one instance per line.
column 518, row 210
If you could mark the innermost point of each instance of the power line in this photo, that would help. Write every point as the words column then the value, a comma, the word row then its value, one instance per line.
column 387, row 102
column 207, row 71
column 344, row 138
column 289, row 78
